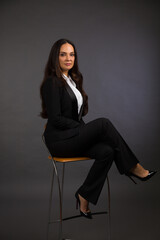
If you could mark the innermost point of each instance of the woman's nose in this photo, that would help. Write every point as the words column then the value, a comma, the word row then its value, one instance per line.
column 67, row 57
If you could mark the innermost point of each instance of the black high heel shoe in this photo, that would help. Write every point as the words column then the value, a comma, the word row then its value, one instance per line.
column 87, row 214
column 150, row 174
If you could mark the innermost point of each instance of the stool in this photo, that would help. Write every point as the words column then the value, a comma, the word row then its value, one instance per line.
column 63, row 161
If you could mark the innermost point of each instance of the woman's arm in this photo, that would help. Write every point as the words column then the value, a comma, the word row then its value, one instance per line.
column 52, row 96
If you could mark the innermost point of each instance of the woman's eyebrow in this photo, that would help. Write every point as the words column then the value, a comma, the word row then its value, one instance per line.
column 66, row 52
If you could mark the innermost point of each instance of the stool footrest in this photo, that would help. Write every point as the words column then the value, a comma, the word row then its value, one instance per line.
column 76, row 216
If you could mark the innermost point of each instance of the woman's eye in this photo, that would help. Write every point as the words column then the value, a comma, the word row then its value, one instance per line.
column 63, row 54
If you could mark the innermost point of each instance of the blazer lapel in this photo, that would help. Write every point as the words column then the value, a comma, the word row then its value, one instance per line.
column 74, row 100
column 80, row 113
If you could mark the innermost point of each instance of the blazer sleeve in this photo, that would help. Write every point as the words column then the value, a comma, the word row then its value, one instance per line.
column 52, row 95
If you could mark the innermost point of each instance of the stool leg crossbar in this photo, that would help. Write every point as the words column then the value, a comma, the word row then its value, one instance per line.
column 60, row 193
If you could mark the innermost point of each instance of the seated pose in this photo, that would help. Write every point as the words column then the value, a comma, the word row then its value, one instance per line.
column 64, row 102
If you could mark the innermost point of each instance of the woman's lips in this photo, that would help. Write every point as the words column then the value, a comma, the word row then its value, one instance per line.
column 67, row 64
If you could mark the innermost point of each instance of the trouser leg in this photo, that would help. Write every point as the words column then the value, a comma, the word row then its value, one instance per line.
column 124, row 157
column 102, row 130
column 118, row 150
column 94, row 182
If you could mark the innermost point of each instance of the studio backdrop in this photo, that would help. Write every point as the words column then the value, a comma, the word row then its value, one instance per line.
column 118, row 54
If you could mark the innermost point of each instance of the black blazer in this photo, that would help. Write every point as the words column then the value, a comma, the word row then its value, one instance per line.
column 62, row 109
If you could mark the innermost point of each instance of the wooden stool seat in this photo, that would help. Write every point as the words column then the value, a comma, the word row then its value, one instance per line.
column 65, row 160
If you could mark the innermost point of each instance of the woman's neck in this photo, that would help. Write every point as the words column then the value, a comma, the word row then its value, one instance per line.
column 66, row 74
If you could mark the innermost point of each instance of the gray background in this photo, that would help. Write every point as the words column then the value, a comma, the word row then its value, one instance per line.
column 118, row 47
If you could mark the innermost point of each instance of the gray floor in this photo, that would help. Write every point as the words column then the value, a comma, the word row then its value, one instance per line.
column 135, row 212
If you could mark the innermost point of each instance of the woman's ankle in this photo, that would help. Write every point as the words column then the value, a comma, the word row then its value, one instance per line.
column 84, row 204
column 139, row 171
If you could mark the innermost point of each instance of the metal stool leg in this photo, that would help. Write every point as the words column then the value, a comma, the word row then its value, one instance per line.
column 50, row 203
column 60, row 196
column 62, row 187
column 62, row 184
column 60, row 200
column 109, row 209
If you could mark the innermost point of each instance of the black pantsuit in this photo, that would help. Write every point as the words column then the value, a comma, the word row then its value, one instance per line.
column 97, row 139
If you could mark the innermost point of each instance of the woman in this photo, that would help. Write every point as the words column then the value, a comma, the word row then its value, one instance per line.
column 64, row 102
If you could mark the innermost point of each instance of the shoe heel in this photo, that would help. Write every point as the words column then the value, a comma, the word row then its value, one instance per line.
column 132, row 179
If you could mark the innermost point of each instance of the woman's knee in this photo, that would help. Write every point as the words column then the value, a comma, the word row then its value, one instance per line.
column 104, row 121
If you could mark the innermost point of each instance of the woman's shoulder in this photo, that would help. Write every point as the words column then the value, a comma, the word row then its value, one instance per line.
column 54, row 80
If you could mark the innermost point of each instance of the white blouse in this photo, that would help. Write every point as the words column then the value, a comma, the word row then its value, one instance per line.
column 77, row 93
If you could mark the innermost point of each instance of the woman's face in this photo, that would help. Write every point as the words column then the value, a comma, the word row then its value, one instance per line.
column 66, row 57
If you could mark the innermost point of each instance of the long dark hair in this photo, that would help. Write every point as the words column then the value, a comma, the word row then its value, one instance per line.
column 53, row 69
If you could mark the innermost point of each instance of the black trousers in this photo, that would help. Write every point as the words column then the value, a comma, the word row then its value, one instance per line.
column 99, row 140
